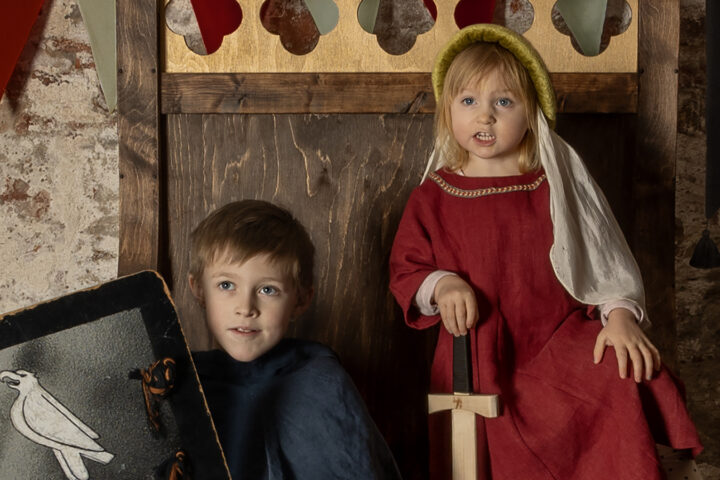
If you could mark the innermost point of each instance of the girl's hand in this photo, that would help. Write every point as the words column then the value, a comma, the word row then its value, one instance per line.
column 623, row 333
column 457, row 304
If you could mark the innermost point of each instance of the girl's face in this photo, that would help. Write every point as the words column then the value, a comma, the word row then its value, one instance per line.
column 489, row 122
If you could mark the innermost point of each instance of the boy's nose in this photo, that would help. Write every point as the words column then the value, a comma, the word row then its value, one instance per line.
column 245, row 306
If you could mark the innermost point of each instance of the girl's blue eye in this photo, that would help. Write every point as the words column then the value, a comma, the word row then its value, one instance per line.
column 269, row 290
column 467, row 101
column 504, row 102
column 226, row 285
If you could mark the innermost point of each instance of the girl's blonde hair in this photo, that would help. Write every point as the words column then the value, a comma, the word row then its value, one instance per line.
column 470, row 67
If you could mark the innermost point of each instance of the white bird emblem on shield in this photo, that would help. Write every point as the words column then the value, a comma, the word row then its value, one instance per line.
column 44, row 420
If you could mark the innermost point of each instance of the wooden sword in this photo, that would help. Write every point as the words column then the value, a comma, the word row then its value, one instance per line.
column 464, row 405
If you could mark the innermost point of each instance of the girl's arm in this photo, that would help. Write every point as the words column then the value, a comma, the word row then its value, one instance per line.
column 631, row 305
column 623, row 333
column 425, row 296
column 411, row 261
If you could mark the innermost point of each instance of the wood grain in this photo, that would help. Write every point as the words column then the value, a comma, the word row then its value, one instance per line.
column 347, row 179
column 654, row 173
column 138, row 133
column 365, row 93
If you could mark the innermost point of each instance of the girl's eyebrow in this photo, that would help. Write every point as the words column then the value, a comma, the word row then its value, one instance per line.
column 471, row 90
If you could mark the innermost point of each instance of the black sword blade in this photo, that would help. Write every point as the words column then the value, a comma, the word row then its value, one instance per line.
column 462, row 364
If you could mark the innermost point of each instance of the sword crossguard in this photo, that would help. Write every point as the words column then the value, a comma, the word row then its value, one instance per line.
column 485, row 405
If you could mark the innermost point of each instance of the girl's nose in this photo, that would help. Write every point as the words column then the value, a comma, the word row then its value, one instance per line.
column 486, row 117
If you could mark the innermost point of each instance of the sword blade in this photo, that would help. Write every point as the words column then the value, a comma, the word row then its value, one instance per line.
column 462, row 364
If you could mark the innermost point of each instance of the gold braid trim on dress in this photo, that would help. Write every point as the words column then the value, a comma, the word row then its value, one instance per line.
column 483, row 192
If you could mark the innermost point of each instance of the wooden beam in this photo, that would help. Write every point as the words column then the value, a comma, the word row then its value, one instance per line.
column 137, row 63
column 654, row 169
column 365, row 93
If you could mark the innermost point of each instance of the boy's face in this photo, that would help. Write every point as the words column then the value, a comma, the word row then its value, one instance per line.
column 248, row 306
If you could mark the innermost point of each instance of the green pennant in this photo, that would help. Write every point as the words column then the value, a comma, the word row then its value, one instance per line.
column 325, row 13
column 367, row 14
column 99, row 17
column 585, row 19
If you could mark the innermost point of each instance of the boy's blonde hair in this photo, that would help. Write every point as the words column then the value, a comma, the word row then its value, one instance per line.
column 240, row 230
column 470, row 67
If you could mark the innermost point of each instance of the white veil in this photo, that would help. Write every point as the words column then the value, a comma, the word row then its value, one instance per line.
column 590, row 256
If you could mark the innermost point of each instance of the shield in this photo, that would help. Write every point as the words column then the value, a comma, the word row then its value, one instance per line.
column 100, row 384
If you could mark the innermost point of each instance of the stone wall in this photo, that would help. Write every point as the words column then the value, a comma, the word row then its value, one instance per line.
column 59, row 192
column 697, row 291
column 58, row 166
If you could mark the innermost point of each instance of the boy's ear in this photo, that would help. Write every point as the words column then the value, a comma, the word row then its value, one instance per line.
column 304, row 300
column 196, row 289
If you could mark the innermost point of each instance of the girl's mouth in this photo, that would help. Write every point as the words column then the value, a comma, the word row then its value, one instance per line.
column 484, row 138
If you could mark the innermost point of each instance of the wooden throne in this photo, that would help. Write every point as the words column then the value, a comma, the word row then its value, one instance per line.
column 342, row 147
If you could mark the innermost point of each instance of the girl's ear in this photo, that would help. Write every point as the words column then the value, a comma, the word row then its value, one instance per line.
column 304, row 299
column 196, row 289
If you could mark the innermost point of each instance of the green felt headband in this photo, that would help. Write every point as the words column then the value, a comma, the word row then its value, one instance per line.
column 509, row 40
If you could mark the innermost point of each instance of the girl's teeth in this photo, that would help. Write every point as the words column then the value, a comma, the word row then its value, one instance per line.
column 484, row 136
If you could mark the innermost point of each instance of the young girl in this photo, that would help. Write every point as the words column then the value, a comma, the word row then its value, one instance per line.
column 512, row 243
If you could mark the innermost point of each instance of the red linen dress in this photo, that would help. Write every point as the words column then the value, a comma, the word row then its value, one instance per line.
column 563, row 417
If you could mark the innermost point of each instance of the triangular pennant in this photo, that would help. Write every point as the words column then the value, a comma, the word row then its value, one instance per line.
column 16, row 22
column 585, row 19
column 470, row 12
column 99, row 17
column 325, row 13
column 367, row 14
column 216, row 19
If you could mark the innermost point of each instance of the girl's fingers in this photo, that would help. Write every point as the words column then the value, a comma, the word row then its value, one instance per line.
column 656, row 358
column 622, row 358
column 599, row 348
column 472, row 313
column 461, row 318
column 448, row 317
column 649, row 361
column 636, row 357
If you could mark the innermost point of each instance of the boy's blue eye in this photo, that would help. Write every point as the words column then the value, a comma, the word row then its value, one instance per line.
column 504, row 102
column 226, row 285
column 269, row 290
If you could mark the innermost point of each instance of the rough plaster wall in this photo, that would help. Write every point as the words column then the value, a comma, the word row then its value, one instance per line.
column 58, row 167
column 58, row 192
column 697, row 291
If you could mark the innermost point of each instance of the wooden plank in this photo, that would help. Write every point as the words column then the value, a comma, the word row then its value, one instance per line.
column 137, row 45
column 347, row 179
column 365, row 93
column 654, row 173
column 596, row 93
column 297, row 93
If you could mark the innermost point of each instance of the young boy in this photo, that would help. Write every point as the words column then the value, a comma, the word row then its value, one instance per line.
column 283, row 408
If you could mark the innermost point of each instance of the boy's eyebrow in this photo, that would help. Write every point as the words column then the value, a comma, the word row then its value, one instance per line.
column 223, row 273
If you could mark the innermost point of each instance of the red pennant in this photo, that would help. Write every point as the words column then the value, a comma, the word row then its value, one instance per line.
column 16, row 21
column 216, row 18
column 470, row 12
